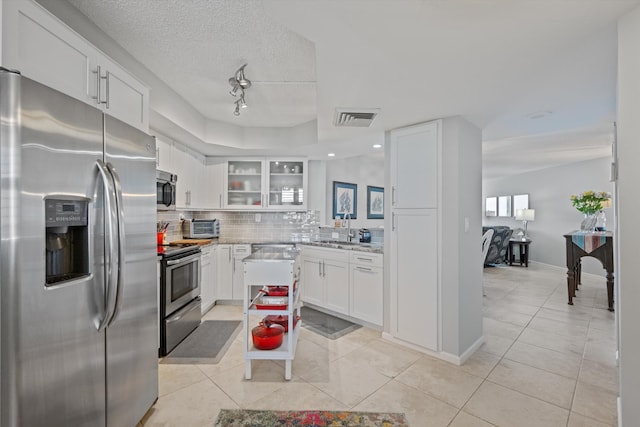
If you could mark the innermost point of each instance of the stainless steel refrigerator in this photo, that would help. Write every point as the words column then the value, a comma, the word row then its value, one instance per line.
column 78, row 293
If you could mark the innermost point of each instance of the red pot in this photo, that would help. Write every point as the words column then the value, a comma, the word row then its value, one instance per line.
column 267, row 338
column 280, row 320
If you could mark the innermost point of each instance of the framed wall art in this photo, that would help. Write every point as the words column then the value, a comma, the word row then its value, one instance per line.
column 375, row 202
column 345, row 199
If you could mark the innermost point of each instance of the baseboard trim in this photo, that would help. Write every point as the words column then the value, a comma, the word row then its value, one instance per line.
column 442, row 355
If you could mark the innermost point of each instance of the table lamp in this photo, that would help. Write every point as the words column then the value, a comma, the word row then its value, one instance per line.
column 525, row 215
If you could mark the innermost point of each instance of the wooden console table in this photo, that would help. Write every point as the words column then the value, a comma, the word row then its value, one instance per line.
column 598, row 245
column 523, row 250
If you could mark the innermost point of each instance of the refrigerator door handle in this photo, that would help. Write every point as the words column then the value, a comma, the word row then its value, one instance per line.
column 111, row 262
column 121, row 241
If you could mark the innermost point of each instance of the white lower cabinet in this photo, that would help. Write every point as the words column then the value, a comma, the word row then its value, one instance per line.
column 313, row 281
column 207, row 279
column 224, row 288
column 325, row 273
column 336, row 285
column 240, row 252
column 366, row 287
column 344, row 281
column 230, row 283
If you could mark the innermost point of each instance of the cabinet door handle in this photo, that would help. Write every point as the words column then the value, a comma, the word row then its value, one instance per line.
column 106, row 86
column 229, row 254
column 393, row 221
column 324, row 269
column 365, row 259
column 98, row 74
column 393, row 196
column 364, row 269
column 220, row 199
column 319, row 269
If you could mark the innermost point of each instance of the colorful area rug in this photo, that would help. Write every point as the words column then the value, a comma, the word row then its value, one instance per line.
column 246, row 418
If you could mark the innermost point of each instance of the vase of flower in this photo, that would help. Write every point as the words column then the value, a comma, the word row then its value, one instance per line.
column 588, row 224
column 589, row 204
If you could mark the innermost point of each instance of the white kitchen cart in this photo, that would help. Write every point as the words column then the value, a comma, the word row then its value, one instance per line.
column 271, row 267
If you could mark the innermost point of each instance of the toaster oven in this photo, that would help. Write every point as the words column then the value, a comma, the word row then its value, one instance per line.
column 200, row 228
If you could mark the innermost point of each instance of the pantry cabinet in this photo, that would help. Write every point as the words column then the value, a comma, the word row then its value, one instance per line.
column 258, row 184
column 44, row 49
column 414, row 286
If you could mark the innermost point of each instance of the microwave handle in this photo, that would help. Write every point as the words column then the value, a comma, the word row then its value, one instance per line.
column 167, row 194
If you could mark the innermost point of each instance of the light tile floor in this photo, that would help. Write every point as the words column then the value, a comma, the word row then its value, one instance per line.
column 544, row 363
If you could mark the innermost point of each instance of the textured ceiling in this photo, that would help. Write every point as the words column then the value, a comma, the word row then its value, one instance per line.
column 494, row 62
column 194, row 46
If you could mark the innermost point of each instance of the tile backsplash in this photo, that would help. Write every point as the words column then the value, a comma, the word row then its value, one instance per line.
column 251, row 226
column 264, row 226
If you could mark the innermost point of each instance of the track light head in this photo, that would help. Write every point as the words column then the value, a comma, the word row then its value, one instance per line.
column 239, row 83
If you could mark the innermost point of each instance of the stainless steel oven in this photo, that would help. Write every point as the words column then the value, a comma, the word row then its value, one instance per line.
column 165, row 190
column 180, row 302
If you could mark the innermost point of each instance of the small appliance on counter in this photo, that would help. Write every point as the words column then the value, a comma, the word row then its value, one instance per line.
column 365, row 235
column 200, row 228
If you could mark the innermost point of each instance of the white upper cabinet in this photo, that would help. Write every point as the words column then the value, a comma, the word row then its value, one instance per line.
column 190, row 169
column 266, row 184
column 415, row 169
column 120, row 94
column 214, row 183
column 245, row 183
column 163, row 154
column 45, row 49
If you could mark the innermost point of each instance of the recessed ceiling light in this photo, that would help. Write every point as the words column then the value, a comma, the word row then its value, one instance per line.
column 331, row 154
column 377, row 145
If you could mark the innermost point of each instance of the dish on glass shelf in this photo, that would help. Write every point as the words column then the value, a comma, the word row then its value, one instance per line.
column 265, row 302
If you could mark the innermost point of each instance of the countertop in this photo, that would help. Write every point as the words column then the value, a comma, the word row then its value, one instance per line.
column 273, row 255
column 350, row 246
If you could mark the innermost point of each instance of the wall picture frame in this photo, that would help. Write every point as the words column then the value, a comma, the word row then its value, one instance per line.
column 345, row 199
column 375, row 202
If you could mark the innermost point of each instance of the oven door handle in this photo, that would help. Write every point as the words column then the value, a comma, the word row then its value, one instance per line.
column 183, row 260
column 111, row 262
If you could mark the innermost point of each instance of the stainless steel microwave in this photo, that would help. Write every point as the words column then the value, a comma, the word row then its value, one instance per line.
column 200, row 228
column 166, row 190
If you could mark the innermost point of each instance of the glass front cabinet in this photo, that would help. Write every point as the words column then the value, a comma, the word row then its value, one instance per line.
column 266, row 184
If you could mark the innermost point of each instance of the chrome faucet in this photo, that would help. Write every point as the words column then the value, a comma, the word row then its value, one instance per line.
column 350, row 235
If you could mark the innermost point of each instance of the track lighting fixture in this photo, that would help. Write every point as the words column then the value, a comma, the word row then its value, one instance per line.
column 239, row 83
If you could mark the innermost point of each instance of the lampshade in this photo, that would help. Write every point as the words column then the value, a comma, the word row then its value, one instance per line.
column 526, row 214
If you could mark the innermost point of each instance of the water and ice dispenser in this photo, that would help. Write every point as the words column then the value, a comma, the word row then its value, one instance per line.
column 66, row 239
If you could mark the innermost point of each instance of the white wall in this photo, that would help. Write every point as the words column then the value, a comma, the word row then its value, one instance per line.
column 628, row 234
column 549, row 191
column 461, row 274
column 360, row 170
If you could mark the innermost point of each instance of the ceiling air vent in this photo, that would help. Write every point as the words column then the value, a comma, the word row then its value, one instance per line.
column 351, row 117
